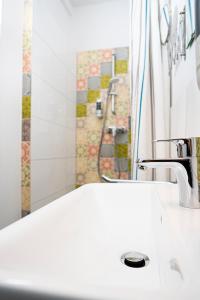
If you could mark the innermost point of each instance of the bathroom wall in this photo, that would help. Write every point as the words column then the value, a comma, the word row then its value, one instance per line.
column 94, row 71
column 10, row 112
column 103, row 25
column 53, row 103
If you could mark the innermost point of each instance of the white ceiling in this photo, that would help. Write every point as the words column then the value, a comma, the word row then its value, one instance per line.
column 86, row 2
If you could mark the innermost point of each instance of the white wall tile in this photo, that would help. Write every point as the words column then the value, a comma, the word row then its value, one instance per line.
column 49, row 140
column 53, row 104
column 51, row 176
column 50, row 105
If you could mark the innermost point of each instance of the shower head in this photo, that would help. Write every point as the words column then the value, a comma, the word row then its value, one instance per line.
column 113, row 80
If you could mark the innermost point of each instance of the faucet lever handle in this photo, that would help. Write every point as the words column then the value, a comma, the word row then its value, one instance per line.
column 183, row 146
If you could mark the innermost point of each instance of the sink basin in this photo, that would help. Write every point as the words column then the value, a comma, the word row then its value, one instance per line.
column 72, row 248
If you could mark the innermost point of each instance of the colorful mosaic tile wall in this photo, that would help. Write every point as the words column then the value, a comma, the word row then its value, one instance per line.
column 26, row 108
column 94, row 71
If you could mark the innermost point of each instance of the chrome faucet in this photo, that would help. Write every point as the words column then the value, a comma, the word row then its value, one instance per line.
column 186, row 167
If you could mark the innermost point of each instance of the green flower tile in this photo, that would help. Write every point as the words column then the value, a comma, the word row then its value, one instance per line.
column 26, row 107
column 121, row 67
column 121, row 150
column 105, row 80
column 81, row 110
column 93, row 95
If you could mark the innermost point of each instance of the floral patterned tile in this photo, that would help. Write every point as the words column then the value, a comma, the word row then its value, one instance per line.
column 80, row 178
column 81, row 165
column 93, row 137
column 92, row 165
column 94, row 57
column 107, row 164
column 27, row 40
column 26, row 175
column 81, row 110
column 121, row 67
column 105, row 81
column 81, row 151
column 94, row 69
column 92, row 151
column 122, row 122
column 82, row 71
column 106, row 55
column 93, row 95
column 81, row 136
column 108, row 139
column 80, row 122
column 82, row 84
column 26, row 107
column 26, row 130
column 25, row 153
column 93, row 122
column 92, row 177
column 121, row 150
column 27, row 62
column 88, row 126
column 83, row 58
column 26, row 199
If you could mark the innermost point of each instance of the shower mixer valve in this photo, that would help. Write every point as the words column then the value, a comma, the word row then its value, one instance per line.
column 116, row 130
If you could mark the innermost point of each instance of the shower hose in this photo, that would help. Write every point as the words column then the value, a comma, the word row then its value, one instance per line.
column 101, row 142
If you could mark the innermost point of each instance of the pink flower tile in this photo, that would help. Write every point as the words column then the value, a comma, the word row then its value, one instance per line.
column 107, row 164
column 25, row 153
column 108, row 139
column 93, row 150
column 94, row 70
column 106, row 55
column 81, row 84
column 26, row 62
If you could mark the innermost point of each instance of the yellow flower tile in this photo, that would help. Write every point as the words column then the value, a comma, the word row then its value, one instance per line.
column 121, row 67
column 121, row 150
column 26, row 107
column 81, row 110
column 105, row 80
column 93, row 95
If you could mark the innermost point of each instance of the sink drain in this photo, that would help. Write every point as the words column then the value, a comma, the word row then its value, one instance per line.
column 135, row 259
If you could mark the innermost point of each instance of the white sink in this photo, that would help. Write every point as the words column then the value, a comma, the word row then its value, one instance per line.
column 71, row 249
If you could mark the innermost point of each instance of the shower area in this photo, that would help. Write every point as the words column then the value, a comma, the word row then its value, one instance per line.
column 103, row 132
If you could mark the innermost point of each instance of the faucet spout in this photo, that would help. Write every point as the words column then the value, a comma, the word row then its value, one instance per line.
column 183, row 174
